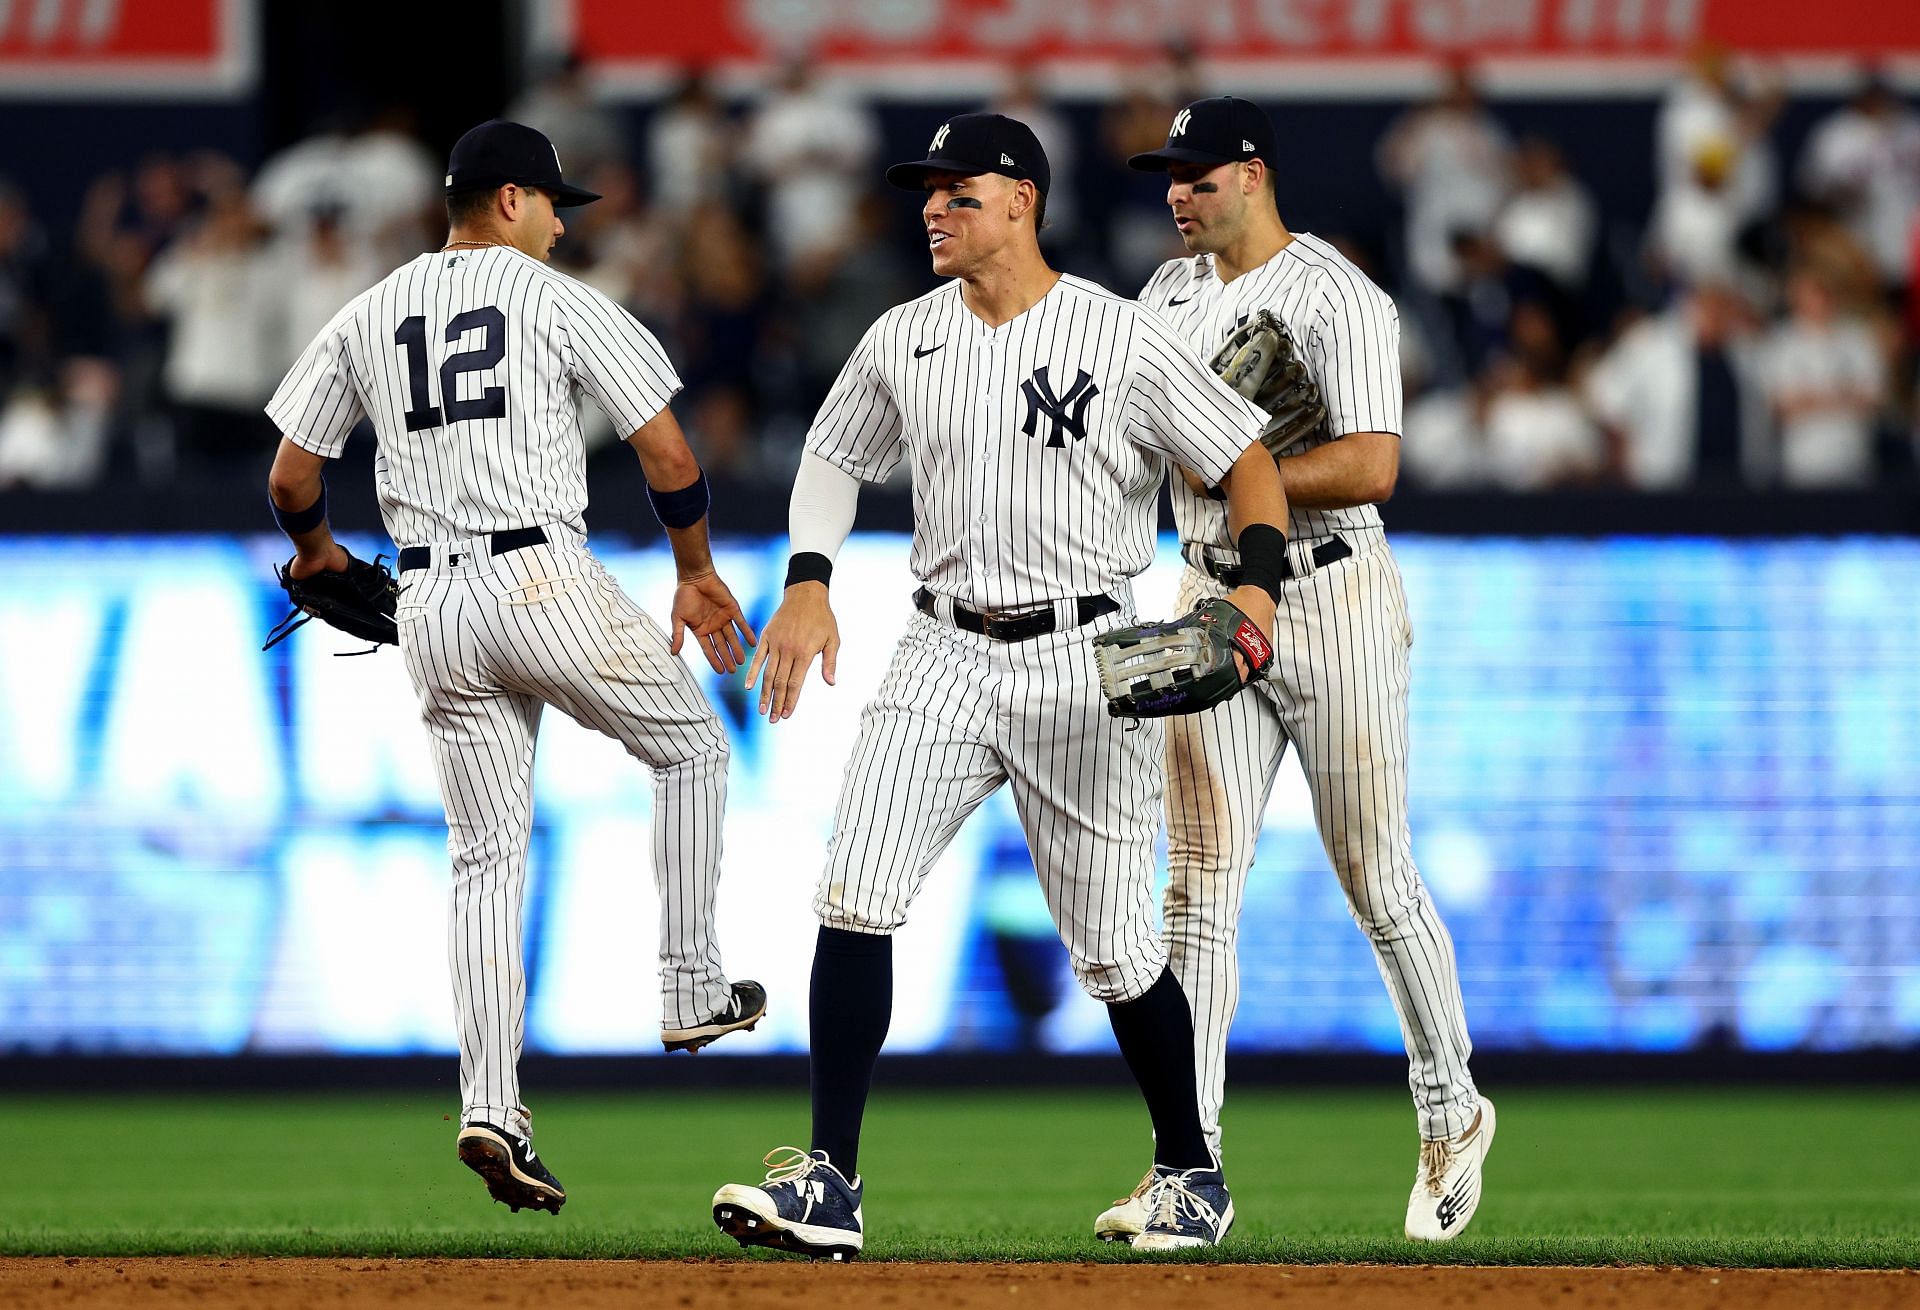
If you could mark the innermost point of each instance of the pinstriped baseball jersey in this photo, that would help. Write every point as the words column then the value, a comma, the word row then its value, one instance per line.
column 1345, row 328
column 1038, row 446
column 1037, row 449
column 467, row 363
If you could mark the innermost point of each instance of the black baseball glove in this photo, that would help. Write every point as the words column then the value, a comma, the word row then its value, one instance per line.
column 1259, row 361
column 359, row 600
column 1184, row 666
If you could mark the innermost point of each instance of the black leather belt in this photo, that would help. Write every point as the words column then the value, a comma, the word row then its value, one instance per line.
column 1017, row 625
column 1228, row 575
column 420, row 557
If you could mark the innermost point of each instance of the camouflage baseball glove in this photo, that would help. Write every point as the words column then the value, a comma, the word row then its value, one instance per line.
column 1260, row 362
column 1184, row 666
column 359, row 600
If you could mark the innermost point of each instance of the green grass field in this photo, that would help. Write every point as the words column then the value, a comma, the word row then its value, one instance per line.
column 1707, row 1177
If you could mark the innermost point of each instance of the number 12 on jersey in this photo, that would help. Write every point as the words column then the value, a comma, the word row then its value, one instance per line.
column 490, row 403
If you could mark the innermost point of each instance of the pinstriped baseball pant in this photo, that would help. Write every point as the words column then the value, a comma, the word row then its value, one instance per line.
column 957, row 715
column 489, row 641
column 1338, row 693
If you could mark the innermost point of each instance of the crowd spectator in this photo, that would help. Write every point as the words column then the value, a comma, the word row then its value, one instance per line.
column 690, row 149
column 1824, row 378
column 1452, row 163
column 219, row 288
column 1864, row 163
column 1680, row 392
column 1715, row 168
column 812, row 151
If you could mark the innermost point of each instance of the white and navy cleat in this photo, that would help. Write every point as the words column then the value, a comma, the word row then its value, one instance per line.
column 1185, row 1208
column 804, row 1206
column 746, row 1007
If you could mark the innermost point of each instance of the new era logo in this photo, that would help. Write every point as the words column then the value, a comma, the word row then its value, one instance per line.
column 1246, row 145
column 1007, row 160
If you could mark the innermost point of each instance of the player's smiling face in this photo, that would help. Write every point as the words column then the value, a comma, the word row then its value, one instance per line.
column 1209, row 203
column 968, row 219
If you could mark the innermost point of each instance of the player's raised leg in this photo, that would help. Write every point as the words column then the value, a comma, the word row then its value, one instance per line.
column 568, row 634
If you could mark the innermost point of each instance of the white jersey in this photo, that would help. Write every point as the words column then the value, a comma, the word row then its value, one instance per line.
column 1346, row 330
column 467, row 361
column 1037, row 447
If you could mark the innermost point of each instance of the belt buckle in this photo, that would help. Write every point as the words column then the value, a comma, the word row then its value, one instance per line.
column 1004, row 625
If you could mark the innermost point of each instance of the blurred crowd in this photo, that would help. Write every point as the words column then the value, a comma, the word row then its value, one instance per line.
column 1758, row 330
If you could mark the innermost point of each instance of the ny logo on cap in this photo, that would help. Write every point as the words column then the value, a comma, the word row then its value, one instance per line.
column 556, row 157
column 940, row 137
column 1180, row 121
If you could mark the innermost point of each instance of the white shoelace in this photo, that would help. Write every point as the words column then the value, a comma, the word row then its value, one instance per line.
column 1175, row 1199
column 786, row 1163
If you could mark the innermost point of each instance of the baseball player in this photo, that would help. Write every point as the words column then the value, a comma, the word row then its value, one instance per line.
column 466, row 361
column 1338, row 692
column 1039, row 413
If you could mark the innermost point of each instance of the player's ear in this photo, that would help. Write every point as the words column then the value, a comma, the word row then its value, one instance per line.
column 1022, row 198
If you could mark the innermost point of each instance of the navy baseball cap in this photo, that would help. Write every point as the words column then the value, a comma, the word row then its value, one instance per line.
column 978, row 143
column 498, row 152
column 1218, row 130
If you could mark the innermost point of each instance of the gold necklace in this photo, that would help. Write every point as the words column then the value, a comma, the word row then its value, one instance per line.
column 451, row 244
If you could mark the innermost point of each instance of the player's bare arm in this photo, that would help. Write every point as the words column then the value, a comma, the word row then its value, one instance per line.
column 295, row 487
column 1360, row 468
column 702, row 602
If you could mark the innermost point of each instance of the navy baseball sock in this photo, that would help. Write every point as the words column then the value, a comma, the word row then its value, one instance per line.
column 851, row 1002
column 1155, row 1032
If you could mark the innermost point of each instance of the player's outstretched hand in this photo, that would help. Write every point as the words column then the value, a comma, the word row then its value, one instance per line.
column 705, row 607
column 800, row 629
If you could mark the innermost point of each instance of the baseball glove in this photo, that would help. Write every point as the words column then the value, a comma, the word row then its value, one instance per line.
column 1259, row 361
column 359, row 600
column 1184, row 666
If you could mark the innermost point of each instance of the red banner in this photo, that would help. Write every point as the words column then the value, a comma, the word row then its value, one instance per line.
column 104, row 48
column 718, row 31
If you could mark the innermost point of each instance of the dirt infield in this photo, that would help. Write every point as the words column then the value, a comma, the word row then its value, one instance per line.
column 31, row 1284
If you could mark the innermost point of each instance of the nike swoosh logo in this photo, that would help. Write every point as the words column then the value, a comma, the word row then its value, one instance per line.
column 1172, row 303
column 922, row 352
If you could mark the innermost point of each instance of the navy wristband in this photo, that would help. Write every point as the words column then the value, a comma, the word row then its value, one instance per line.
column 300, row 521
column 1263, row 558
column 682, row 508
column 810, row 566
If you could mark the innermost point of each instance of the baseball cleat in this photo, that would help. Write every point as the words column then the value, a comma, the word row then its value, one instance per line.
column 513, row 1175
column 803, row 1206
column 1123, row 1220
column 1185, row 1208
column 745, row 1009
column 1446, row 1186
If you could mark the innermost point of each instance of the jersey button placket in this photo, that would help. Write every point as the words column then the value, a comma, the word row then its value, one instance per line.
column 980, row 504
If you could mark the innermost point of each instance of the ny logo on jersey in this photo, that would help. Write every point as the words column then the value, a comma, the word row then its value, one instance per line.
column 1180, row 121
column 939, row 138
column 1041, row 400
